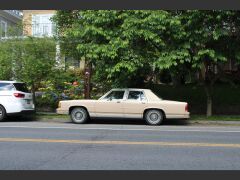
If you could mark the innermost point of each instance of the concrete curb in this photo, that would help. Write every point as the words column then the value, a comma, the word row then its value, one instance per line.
column 191, row 122
column 188, row 122
column 207, row 122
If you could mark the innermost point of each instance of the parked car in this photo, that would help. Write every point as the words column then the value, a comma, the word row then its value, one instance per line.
column 125, row 103
column 15, row 99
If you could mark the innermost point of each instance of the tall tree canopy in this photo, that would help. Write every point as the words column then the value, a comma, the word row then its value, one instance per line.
column 123, row 44
column 213, row 38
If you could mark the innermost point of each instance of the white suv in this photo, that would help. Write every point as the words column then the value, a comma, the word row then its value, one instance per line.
column 15, row 99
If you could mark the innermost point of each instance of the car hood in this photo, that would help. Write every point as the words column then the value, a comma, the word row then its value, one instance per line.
column 80, row 101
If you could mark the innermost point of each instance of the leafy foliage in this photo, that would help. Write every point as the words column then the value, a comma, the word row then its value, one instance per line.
column 123, row 45
column 30, row 60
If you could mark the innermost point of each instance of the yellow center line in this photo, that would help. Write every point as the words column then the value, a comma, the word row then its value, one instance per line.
column 120, row 142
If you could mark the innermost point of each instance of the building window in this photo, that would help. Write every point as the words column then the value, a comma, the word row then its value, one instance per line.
column 3, row 29
column 42, row 25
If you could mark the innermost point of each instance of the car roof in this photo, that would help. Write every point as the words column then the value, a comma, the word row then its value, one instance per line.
column 10, row 82
column 133, row 89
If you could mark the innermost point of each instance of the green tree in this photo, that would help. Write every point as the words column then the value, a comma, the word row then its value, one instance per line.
column 30, row 60
column 5, row 61
column 123, row 45
column 212, row 38
column 126, row 47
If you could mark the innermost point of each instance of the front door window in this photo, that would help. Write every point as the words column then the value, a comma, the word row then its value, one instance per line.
column 115, row 95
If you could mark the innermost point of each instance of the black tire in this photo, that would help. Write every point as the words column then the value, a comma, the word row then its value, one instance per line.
column 79, row 115
column 3, row 114
column 154, row 117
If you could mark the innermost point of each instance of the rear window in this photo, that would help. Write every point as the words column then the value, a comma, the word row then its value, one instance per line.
column 6, row 87
column 21, row 87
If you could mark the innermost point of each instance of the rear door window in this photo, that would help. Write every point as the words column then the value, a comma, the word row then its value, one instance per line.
column 6, row 87
column 136, row 95
column 21, row 87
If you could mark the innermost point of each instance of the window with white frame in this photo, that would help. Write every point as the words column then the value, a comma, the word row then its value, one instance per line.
column 42, row 25
column 3, row 29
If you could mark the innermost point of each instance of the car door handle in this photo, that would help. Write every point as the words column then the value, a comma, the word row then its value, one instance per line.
column 118, row 101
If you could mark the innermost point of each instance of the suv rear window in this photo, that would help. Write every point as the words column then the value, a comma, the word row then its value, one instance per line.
column 6, row 87
column 21, row 87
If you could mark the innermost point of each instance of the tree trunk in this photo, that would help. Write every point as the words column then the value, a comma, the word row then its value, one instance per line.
column 209, row 106
column 87, row 81
column 209, row 100
column 33, row 94
column 208, row 86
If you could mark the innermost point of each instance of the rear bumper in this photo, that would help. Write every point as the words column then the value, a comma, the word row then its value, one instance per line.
column 178, row 116
column 24, row 112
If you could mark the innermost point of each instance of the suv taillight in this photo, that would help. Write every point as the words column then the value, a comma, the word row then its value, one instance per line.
column 186, row 108
column 19, row 95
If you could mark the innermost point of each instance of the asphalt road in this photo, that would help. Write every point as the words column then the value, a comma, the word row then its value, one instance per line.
column 120, row 146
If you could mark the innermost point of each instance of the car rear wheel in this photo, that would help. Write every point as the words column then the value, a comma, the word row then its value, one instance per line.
column 3, row 114
column 154, row 117
column 79, row 115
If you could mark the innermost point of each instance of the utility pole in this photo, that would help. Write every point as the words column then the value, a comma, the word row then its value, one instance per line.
column 87, row 78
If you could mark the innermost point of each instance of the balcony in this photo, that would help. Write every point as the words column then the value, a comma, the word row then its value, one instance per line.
column 16, row 13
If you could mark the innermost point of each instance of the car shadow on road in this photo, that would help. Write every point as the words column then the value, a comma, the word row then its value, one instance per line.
column 110, row 121
column 21, row 119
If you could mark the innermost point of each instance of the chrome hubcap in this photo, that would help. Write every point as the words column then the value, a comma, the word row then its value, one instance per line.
column 154, row 117
column 1, row 113
column 78, row 115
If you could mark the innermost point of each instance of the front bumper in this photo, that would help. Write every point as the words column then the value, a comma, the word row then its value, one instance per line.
column 61, row 111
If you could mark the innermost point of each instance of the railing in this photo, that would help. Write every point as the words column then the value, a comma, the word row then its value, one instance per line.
column 15, row 13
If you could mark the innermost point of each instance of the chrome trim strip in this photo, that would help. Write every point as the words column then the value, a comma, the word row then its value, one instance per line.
column 116, row 115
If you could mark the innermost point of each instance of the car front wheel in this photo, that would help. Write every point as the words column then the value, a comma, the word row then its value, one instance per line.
column 79, row 115
column 3, row 114
column 154, row 117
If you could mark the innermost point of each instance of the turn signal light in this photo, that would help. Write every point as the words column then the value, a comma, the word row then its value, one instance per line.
column 186, row 108
column 19, row 95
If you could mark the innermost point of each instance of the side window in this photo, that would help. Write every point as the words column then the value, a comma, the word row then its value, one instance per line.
column 6, row 87
column 21, row 87
column 115, row 95
column 136, row 95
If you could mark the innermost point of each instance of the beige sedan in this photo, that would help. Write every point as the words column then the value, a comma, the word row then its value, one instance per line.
column 125, row 103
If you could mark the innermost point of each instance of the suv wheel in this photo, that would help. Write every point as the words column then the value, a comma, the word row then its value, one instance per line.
column 79, row 115
column 3, row 114
column 154, row 117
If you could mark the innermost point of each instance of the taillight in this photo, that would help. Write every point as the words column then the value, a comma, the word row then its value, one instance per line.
column 186, row 108
column 19, row 95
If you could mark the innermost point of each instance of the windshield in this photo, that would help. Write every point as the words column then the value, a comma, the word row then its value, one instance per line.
column 21, row 87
